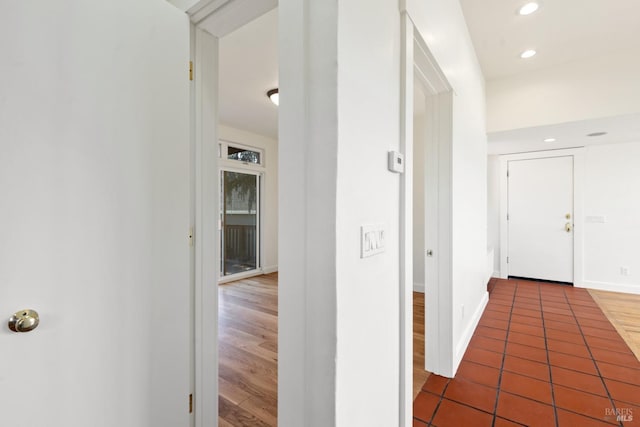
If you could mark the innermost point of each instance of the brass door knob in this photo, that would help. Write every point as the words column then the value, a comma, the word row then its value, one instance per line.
column 567, row 227
column 24, row 321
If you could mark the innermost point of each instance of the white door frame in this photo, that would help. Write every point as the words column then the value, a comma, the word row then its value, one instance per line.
column 206, row 234
column 418, row 62
column 218, row 18
column 578, row 206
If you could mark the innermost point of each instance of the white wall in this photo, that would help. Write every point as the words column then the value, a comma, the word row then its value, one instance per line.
column 611, row 190
column 94, row 147
column 419, row 161
column 601, row 86
column 611, row 183
column 339, row 116
column 270, row 214
column 307, row 145
column 367, row 193
column 339, row 318
column 442, row 26
column 493, row 210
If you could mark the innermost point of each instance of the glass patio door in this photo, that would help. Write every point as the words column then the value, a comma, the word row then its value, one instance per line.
column 240, row 222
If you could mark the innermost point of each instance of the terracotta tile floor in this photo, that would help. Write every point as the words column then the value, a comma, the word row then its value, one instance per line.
column 542, row 355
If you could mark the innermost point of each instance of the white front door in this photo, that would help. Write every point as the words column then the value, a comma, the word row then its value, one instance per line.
column 94, row 213
column 540, row 218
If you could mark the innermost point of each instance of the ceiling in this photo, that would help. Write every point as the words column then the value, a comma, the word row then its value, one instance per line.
column 574, row 134
column 248, row 69
column 561, row 31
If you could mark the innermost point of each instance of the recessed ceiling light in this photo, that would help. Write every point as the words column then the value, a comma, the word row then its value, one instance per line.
column 550, row 140
column 274, row 96
column 528, row 8
column 597, row 134
column 528, row 54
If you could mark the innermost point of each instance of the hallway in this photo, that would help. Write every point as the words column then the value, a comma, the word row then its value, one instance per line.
column 542, row 355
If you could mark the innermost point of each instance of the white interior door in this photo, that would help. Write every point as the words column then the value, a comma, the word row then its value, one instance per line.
column 94, row 213
column 540, row 218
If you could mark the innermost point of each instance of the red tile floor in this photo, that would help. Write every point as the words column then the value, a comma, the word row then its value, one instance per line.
column 542, row 355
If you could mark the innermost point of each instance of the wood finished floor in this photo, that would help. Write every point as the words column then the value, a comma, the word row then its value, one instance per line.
column 248, row 346
column 623, row 311
column 248, row 328
column 419, row 374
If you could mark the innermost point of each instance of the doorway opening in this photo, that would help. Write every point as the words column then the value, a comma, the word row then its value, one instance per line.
column 426, row 139
column 248, row 224
column 235, row 163
column 420, row 374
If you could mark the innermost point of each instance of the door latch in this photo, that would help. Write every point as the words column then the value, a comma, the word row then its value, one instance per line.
column 24, row 321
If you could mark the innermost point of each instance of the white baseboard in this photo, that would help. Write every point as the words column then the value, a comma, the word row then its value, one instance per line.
column 462, row 345
column 612, row 287
column 418, row 287
column 252, row 273
column 270, row 269
column 496, row 273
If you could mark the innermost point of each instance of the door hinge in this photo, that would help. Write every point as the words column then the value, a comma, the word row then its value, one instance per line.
column 507, row 217
column 191, row 236
column 507, row 173
column 190, row 70
column 507, row 260
column 191, row 403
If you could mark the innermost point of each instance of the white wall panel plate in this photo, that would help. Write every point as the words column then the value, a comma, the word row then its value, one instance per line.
column 372, row 240
column 396, row 162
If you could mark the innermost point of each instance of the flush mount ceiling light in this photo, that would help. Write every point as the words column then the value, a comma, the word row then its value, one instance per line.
column 274, row 96
column 528, row 54
column 597, row 134
column 549, row 140
column 528, row 8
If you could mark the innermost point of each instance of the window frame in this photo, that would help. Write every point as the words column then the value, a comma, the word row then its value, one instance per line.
column 223, row 150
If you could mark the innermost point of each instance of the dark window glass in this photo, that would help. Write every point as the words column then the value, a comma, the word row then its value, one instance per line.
column 243, row 155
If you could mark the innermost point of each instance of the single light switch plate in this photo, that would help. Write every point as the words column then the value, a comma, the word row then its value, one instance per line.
column 372, row 240
column 396, row 162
